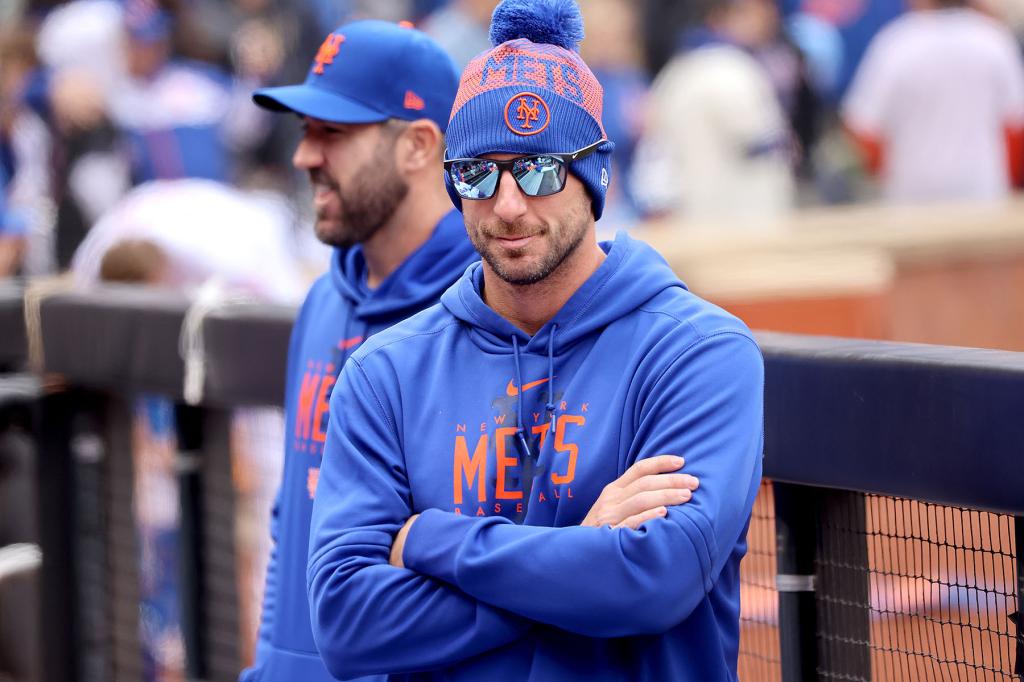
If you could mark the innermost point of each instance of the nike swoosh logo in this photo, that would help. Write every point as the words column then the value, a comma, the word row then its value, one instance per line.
column 513, row 391
column 350, row 343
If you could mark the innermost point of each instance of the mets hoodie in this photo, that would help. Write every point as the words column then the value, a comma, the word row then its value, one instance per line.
column 502, row 442
column 339, row 313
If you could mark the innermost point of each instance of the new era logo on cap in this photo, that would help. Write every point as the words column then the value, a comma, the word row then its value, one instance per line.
column 328, row 51
column 414, row 101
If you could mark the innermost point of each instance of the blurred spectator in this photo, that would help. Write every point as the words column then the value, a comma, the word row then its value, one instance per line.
column 663, row 21
column 181, row 233
column 613, row 50
column 855, row 21
column 260, row 42
column 823, row 50
column 127, row 111
column 937, row 105
column 183, row 119
column 461, row 28
column 12, row 234
column 81, row 46
column 790, row 75
column 26, row 223
column 717, row 146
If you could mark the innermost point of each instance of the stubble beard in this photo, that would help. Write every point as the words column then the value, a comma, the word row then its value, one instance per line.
column 568, row 236
column 367, row 204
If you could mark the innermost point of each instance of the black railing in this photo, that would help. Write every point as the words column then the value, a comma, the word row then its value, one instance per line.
column 871, row 447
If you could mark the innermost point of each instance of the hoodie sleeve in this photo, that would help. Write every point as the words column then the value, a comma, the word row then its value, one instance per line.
column 369, row 617
column 601, row 582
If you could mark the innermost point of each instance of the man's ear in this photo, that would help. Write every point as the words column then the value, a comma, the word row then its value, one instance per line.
column 420, row 146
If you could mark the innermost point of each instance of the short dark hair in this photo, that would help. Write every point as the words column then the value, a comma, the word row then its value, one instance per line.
column 133, row 261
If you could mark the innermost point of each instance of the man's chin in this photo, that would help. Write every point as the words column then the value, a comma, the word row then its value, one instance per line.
column 330, row 232
column 518, row 271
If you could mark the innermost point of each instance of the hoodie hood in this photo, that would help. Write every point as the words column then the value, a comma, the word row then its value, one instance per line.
column 416, row 283
column 633, row 270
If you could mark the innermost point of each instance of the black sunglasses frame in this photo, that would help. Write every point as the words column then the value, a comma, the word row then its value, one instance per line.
column 508, row 165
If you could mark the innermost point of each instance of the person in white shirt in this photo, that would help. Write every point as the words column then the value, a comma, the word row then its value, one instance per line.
column 937, row 106
column 185, row 232
column 717, row 147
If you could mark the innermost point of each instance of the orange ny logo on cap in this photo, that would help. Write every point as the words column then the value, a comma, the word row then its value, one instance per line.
column 527, row 114
column 327, row 52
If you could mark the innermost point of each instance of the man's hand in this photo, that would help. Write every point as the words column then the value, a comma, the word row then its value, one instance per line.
column 399, row 543
column 643, row 493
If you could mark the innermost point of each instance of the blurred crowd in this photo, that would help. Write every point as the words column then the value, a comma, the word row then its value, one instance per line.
column 732, row 112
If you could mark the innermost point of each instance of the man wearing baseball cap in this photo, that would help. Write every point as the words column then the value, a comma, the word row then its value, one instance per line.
column 374, row 108
column 474, row 517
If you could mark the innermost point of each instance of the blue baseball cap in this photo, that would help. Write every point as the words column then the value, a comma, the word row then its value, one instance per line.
column 371, row 71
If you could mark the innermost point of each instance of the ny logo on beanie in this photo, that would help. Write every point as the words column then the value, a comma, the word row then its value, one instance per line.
column 527, row 114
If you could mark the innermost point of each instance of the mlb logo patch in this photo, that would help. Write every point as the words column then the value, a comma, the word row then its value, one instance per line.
column 527, row 114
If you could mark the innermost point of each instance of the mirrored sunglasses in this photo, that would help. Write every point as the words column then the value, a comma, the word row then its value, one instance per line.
column 538, row 175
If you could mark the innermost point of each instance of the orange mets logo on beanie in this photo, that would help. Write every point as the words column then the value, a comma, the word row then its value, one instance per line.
column 527, row 114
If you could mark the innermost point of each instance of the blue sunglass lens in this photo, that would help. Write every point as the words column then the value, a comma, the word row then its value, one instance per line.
column 538, row 176
column 475, row 179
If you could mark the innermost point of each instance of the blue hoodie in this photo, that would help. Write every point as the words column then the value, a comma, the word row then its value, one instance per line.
column 502, row 443
column 339, row 313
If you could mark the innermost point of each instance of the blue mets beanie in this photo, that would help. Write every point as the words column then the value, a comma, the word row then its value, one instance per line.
column 532, row 93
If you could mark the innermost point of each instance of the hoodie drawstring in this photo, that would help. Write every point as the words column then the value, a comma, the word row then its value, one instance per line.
column 530, row 461
column 519, row 398
column 550, row 406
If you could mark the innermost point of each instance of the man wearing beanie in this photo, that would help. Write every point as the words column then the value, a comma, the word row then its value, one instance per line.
column 374, row 108
column 470, row 522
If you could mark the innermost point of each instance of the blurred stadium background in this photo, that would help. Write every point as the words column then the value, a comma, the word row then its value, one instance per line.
column 773, row 177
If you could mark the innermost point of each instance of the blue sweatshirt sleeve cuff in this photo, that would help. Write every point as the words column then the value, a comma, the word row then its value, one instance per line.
column 433, row 543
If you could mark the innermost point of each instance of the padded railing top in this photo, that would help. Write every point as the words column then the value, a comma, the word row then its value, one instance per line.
column 12, row 325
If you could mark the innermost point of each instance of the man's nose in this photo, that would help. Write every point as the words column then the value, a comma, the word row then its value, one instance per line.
column 509, row 201
column 308, row 155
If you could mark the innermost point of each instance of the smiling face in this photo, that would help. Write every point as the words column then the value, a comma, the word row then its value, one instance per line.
column 356, row 184
column 523, row 240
